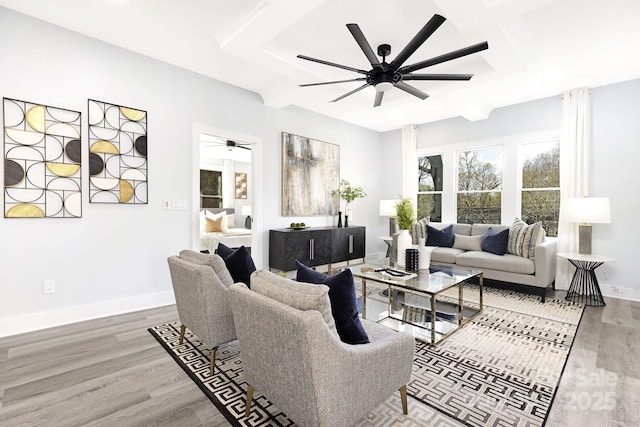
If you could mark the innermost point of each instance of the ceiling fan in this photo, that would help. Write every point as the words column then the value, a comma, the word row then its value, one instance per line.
column 383, row 76
column 232, row 144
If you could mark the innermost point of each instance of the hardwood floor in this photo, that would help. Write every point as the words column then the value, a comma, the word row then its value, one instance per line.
column 112, row 372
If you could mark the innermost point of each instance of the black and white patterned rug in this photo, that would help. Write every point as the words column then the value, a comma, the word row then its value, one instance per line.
column 501, row 368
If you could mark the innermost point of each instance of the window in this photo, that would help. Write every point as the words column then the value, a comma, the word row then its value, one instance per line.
column 430, row 187
column 210, row 189
column 541, row 184
column 479, row 195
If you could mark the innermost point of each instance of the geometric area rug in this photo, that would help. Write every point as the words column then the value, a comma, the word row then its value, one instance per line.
column 501, row 368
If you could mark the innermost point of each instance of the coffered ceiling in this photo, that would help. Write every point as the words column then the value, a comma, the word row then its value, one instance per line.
column 537, row 48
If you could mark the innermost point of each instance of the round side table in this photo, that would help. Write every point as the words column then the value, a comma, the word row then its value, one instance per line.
column 584, row 286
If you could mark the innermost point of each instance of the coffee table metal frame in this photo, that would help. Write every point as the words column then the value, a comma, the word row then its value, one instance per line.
column 419, row 285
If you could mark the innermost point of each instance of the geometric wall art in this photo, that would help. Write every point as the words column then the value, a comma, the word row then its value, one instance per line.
column 42, row 161
column 117, row 154
column 310, row 171
column 241, row 185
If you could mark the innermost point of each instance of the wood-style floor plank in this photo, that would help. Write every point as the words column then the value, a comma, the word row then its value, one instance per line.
column 112, row 372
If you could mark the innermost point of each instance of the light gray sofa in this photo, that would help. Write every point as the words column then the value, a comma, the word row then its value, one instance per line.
column 530, row 275
column 292, row 355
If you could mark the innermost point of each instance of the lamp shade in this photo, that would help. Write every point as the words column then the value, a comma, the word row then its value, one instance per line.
column 388, row 207
column 587, row 210
column 246, row 210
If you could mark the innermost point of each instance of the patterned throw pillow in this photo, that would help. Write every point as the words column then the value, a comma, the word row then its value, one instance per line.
column 419, row 230
column 524, row 238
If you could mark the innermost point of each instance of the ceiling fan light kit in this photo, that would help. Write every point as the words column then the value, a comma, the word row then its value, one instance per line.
column 384, row 76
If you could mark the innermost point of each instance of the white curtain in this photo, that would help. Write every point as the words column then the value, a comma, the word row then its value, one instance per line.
column 575, row 143
column 409, row 161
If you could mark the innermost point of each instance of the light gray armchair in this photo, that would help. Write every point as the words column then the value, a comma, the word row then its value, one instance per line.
column 202, row 299
column 294, row 358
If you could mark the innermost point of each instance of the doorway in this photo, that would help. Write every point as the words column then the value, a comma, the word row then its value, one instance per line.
column 230, row 162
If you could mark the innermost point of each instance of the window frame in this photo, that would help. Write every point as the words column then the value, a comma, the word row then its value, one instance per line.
column 521, row 160
column 434, row 192
column 456, row 187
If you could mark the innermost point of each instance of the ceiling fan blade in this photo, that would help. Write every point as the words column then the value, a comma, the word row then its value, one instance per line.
column 364, row 45
column 444, row 58
column 336, row 81
column 426, row 31
column 350, row 93
column 333, row 64
column 412, row 90
column 437, row 77
column 378, row 100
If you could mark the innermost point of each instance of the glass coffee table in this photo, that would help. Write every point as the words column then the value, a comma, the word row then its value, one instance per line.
column 405, row 300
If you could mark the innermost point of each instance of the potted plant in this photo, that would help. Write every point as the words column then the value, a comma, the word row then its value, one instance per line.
column 348, row 193
column 405, row 217
column 405, row 214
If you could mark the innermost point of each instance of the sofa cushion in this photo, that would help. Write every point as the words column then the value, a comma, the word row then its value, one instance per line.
column 495, row 242
column 467, row 243
column 301, row 296
column 442, row 238
column 523, row 238
column 238, row 262
column 342, row 295
column 445, row 255
column 213, row 261
column 480, row 229
column 485, row 260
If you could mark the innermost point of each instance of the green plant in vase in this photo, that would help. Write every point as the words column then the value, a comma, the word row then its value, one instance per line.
column 405, row 214
column 348, row 193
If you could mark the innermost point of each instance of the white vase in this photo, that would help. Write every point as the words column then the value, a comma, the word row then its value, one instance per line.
column 404, row 243
column 424, row 255
column 347, row 212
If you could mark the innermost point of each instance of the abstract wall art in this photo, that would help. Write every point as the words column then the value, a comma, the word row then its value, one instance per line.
column 42, row 161
column 310, row 171
column 117, row 154
column 241, row 185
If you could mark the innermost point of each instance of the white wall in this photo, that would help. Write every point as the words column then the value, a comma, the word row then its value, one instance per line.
column 614, row 162
column 113, row 259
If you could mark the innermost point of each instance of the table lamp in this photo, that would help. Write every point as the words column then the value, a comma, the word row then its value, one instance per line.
column 246, row 210
column 586, row 211
column 388, row 208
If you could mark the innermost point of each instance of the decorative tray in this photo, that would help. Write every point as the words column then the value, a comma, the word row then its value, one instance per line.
column 298, row 228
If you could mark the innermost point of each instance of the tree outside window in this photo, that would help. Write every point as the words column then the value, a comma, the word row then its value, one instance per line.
column 210, row 189
column 479, row 194
column 541, row 184
column 430, row 187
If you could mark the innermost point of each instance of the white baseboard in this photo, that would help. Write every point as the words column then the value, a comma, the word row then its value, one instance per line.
column 623, row 292
column 47, row 319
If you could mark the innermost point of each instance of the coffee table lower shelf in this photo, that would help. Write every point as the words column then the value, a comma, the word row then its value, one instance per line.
column 422, row 333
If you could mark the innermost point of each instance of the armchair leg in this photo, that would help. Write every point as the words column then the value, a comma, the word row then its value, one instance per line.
column 249, row 399
column 183, row 328
column 403, row 397
column 212, row 364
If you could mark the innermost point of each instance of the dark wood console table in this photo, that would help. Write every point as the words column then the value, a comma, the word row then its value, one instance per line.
column 314, row 246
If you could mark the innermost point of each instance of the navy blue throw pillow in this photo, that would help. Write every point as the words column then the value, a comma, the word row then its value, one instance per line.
column 342, row 295
column 224, row 250
column 238, row 262
column 442, row 238
column 495, row 243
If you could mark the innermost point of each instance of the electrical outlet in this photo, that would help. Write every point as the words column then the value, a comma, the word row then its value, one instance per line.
column 166, row 204
column 49, row 286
